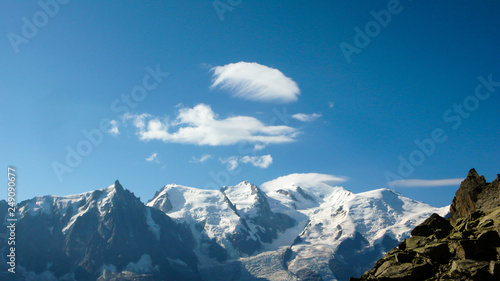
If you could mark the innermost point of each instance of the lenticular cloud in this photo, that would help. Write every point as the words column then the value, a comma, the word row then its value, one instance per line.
column 256, row 82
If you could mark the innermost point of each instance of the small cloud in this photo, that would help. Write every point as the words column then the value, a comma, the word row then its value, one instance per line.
column 258, row 161
column 306, row 117
column 202, row 159
column 153, row 158
column 256, row 82
column 331, row 104
column 425, row 183
column 259, row 146
column 232, row 162
column 205, row 66
column 114, row 128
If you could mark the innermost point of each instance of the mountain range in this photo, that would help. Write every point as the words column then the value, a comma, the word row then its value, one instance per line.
column 296, row 227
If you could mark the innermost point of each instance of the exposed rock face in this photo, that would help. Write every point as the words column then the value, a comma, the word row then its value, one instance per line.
column 464, row 247
column 466, row 197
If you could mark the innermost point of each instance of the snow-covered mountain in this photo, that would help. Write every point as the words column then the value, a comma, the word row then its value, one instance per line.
column 296, row 227
column 100, row 234
column 305, row 226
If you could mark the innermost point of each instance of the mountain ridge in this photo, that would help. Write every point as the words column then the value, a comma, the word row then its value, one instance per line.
column 302, row 229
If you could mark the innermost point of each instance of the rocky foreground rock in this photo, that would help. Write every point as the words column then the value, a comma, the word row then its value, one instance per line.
column 466, row 246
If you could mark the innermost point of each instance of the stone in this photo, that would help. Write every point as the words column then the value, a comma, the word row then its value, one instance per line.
column 465, row 199
column 477, row 270
column 407, row 272
column 415, row 242
column 465, row 249
column 486, row 223
column 485, row 248
column 434, row 223
column 403, row 257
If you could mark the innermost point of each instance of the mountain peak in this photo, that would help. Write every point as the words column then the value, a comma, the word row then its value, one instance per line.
column 472, row 173
column 118, row 186
column 466, row 196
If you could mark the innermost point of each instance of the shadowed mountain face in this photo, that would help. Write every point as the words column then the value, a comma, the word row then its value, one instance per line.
column 464, row 247
column 106, row 231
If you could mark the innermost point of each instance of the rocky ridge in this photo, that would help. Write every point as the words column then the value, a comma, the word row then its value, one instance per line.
column 466, row 246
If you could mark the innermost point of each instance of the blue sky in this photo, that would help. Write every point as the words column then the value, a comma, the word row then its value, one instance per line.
column 261, row 90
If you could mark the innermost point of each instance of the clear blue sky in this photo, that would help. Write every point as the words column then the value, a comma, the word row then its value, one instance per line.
column 349, row 116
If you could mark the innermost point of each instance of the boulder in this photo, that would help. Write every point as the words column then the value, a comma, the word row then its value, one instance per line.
column 431, row 225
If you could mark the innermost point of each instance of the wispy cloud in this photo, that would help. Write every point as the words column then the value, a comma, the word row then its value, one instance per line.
column 201, row 159
column 231, row 161
column 113, row 130
column 425, row 183
column 259, row 146
column 306, row 117
column 330, row 104
column 257, row 161
column 201, row 126
column 153, row 158
column 256, row 82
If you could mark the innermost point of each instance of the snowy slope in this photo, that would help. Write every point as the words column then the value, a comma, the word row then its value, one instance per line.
column 331, row 231
column 228, row 224
column 372, row 221
column 209, row 213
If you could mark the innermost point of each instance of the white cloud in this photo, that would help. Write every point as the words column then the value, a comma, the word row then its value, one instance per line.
column 330, row 104
column 259, row 146
column 315, row 180
column 201, row 126
column 258, row 161
column 425, row 183
column 202, row 158
column 256, row 82
column 231, row 161
column 153, row 158
column 306, row 117
column 114, row 128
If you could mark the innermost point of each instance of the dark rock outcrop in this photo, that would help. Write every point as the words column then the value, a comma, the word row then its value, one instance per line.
column 464, row 247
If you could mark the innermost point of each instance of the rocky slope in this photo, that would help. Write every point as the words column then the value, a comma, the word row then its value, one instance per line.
column 466, row 246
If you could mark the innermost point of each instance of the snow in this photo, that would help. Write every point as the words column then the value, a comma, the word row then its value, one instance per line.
column 143, row 265
column 79, row 204
column 243, row 197
column 326, row 215
column 152, row 226
column 108, row 268
column 203, row 207
column 40, row 204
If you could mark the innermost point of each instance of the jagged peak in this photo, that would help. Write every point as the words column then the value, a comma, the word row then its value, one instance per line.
column 473, row 176
column 118, row 186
